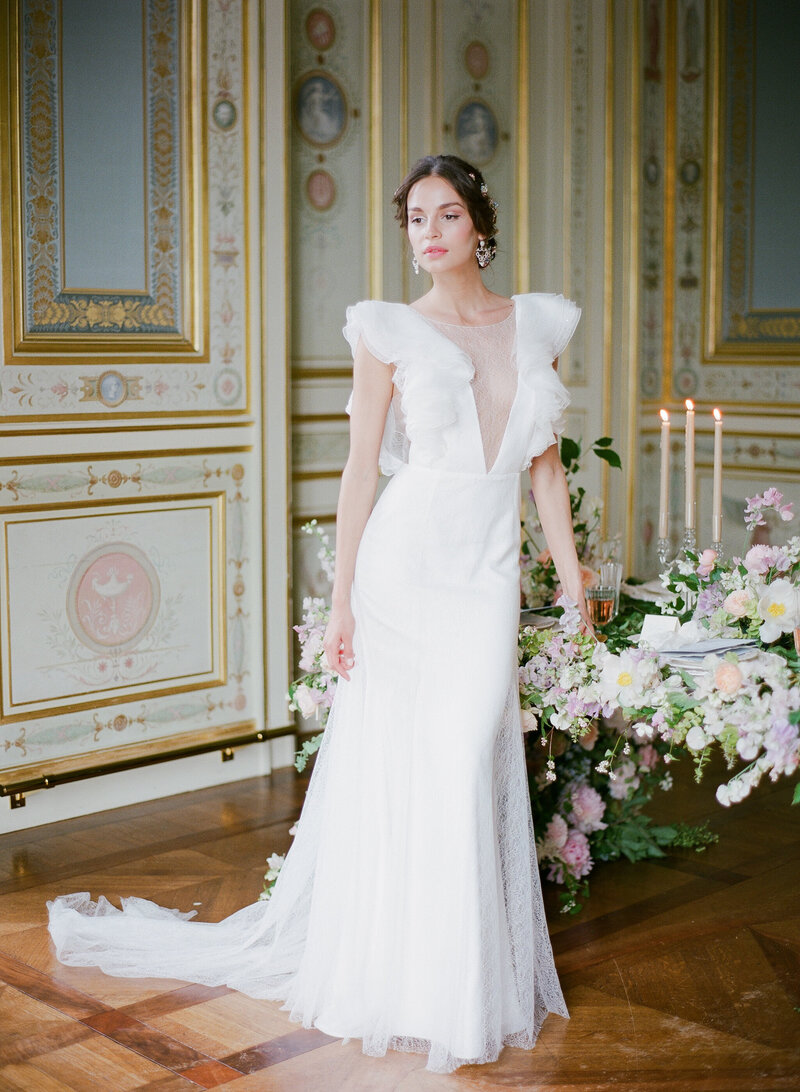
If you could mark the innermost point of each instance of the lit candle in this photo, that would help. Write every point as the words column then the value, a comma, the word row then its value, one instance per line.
column 689, row 465
column 716, row 508
column 663, row 504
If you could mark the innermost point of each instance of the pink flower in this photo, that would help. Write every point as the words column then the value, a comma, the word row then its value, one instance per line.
column 760, row 559
column 555, row 836
column 587, row 808
column 738, row 603
column 544, row 557
column 648, row 757
column 625, row 781
column 728, row 678
column 576, row 855
column 706, row 562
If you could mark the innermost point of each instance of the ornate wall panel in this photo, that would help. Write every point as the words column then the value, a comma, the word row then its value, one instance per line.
column 178, row 342
column 701, row 332
column 125, row 606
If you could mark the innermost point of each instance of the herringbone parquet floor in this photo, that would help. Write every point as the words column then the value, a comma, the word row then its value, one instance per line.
column 682, row 973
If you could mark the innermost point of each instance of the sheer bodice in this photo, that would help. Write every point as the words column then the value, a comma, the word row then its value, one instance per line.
column 491, row 350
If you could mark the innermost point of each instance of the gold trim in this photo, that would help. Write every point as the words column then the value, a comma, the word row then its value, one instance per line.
column 522, row 257
column 217, row 676
column 247, row 286
column 668, row 228
column 314, row 475
column 311, row 418
column 608, row 253
column 633, row 210
column 122, row 427
column 375, row 221
column 44, row 775
column 404, row 164
column 435, row 134
column 119, row 457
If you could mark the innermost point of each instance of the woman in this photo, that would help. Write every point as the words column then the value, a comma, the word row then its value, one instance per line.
column 408, row 912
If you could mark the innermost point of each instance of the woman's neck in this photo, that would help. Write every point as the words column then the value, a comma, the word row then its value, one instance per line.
column 463, row 298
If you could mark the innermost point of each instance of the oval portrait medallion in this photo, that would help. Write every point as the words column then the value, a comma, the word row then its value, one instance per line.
column 113, row 597
column 320, row 190
column 320, row 29
column 320, row 109
column 476, row 60
column 476, row 131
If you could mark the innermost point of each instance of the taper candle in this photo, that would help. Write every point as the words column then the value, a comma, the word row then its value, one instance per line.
column 716, row 506
column 663, row 501
column 689, row 465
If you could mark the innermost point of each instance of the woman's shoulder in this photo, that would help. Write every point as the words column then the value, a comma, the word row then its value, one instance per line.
column 547, row 317
column 382, row 325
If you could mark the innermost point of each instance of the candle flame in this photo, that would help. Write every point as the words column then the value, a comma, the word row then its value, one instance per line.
column 717, row 414
column 664, row 416
column 690, row 405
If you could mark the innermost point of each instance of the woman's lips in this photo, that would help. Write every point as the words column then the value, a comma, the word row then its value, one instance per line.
column 434, row 251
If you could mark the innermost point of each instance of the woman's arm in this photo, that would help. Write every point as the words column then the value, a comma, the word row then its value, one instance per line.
column 551, row 493
column 372, row 393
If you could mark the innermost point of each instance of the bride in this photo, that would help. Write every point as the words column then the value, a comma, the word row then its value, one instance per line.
column 409, row 913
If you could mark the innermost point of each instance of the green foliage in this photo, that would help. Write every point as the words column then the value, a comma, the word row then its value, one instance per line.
column 310, row 747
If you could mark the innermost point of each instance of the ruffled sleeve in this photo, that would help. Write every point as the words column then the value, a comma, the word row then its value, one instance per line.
column 367, row 321
column 545, row 325
column 568, row 315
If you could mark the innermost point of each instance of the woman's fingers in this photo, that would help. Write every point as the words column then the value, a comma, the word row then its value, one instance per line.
column 339, row 656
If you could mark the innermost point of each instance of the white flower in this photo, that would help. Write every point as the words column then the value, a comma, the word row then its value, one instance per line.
column 696, row 739
column 304, row 700
column 529, row 721
column 623, row 680
column 778, row 606
column 724, row 796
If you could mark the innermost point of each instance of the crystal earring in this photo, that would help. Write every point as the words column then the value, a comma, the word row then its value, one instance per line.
column 415, row 264
column 483, row 253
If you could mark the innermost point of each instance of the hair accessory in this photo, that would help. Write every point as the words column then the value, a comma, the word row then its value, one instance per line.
column 483, row 253
column 472, row 176
column 415, row 264
column 484, row 190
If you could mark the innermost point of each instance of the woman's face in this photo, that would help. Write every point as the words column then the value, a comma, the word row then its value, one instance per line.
column 440, row 229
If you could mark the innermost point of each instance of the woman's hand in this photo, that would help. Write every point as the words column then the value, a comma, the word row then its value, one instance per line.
column 338, row 641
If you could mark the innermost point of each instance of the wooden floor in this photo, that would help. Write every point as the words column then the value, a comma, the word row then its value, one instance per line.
column 682, row 974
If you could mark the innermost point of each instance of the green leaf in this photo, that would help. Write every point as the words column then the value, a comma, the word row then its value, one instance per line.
column 604, row 441
column 796, row 797
column 570, row 450
column 610, row 457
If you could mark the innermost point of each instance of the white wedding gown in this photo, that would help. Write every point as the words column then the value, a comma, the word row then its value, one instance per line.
column 408, row 912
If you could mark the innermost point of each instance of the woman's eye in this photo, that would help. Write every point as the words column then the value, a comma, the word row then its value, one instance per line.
column 451, row 216
column 416, row 219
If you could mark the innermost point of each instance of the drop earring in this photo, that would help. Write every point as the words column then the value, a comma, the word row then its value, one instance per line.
column 483, row 253
column 415, row 264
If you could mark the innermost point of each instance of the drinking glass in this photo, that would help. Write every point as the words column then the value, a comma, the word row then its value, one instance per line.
column 600, row 604
column 611, row 577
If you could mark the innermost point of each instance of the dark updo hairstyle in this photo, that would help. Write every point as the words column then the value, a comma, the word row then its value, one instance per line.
column 468, row 183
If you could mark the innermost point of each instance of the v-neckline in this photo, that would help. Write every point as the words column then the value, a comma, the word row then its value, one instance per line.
column 430, row 323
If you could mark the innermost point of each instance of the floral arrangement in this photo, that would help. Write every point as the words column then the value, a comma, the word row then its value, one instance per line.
column 591, row 774
column 755, row 596
column 604, row 720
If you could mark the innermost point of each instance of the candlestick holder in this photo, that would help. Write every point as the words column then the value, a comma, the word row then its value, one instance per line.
column 689, row 540
column 717, row 548
column 663, row 553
